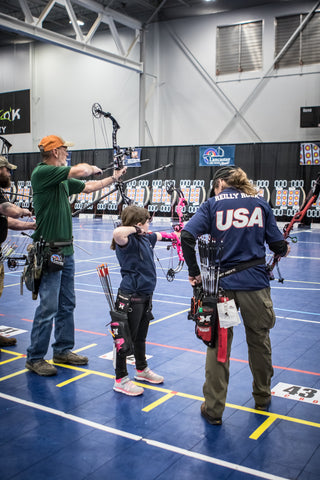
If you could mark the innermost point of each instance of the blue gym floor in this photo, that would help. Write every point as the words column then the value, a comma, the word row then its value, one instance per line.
column 74, row 425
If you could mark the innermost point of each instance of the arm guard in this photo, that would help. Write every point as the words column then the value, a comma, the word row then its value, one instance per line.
column 279, row 248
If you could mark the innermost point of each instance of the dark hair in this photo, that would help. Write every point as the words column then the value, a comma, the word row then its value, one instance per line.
column 133, row 214
column 234, row 177
column 130, row 216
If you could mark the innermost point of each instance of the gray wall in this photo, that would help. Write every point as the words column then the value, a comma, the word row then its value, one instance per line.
column 185, row 101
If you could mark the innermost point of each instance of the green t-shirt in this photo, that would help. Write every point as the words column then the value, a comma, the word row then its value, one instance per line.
column 51, row 189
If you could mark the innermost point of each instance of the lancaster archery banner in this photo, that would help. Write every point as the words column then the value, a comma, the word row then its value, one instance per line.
column 216, row 155
column 15, row 112
column 309, row 153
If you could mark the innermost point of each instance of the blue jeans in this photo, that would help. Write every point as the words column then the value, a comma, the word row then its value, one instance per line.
column 57, row 303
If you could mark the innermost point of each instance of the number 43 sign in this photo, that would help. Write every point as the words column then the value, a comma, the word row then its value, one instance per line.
column 297, row 392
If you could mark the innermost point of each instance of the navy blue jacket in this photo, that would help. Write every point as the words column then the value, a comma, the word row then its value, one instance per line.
column 137, row 267
column 244, row 224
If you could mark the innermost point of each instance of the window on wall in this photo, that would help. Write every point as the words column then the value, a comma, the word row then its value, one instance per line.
column 305, row 49
column 239, row 48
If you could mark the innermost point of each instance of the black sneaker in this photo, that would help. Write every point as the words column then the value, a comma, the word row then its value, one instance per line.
column 41, row 367
column 263, row 407
column 211, row 420
column 70, row 358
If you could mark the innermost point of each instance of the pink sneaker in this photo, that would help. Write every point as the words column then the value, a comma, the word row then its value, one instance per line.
column 148, row 375
column 126, row 386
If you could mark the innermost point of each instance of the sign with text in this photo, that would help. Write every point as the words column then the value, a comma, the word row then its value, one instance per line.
column 6, row 331
column 133, row 159
column 216, row 155
column 15, row 112
column 130, row 360
column 297, row 392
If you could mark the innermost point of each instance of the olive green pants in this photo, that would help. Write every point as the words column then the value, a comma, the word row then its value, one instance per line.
column 258, row 317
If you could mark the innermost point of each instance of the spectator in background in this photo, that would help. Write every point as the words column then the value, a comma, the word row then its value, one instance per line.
column 9, row 214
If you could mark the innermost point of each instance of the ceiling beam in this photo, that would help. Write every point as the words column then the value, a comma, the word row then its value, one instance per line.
column 94, row 6
column 17, row 26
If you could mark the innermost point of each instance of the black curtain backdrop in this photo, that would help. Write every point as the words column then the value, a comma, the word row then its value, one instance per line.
column 261, row 161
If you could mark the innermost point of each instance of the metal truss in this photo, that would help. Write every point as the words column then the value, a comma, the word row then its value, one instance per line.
column 33, row 27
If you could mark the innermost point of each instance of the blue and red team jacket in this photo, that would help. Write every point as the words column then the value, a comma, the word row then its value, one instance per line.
column 244, row 224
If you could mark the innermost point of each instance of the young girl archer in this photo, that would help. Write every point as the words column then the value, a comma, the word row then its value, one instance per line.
column 134, row 249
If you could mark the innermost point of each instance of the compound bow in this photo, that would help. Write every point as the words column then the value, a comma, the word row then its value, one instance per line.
column 175, row 235
column 119, row 157
column 310, row 199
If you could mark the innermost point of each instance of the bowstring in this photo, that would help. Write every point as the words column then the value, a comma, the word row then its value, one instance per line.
column 103, row 130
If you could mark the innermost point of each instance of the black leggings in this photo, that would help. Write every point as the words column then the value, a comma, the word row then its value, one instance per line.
column 139, row 319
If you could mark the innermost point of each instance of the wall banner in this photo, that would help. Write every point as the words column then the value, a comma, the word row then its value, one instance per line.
column 134, row 158
column 309, row 153
column 15, row 112
column 216, row 155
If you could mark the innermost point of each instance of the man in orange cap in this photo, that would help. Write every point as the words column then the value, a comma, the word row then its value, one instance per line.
column 52, row 183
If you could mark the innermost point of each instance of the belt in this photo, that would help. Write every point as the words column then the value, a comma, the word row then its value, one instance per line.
column 140, row 299
column 58, row 244
column 243, row 266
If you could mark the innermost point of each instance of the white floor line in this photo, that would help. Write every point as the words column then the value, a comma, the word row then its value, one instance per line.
column 216, row 461
column 307, row 289
column 299, row 320
column 154, row 443
column 73, row 418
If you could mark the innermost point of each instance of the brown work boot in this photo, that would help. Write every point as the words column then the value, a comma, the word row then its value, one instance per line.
column 211, row 420
column 7, row 341
column 70, row 358
column 41, row 367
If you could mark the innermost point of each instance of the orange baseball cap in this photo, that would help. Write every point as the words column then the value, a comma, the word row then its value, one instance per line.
column 52, row 141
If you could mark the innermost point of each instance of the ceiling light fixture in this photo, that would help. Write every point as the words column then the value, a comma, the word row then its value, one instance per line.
column 79, row 22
